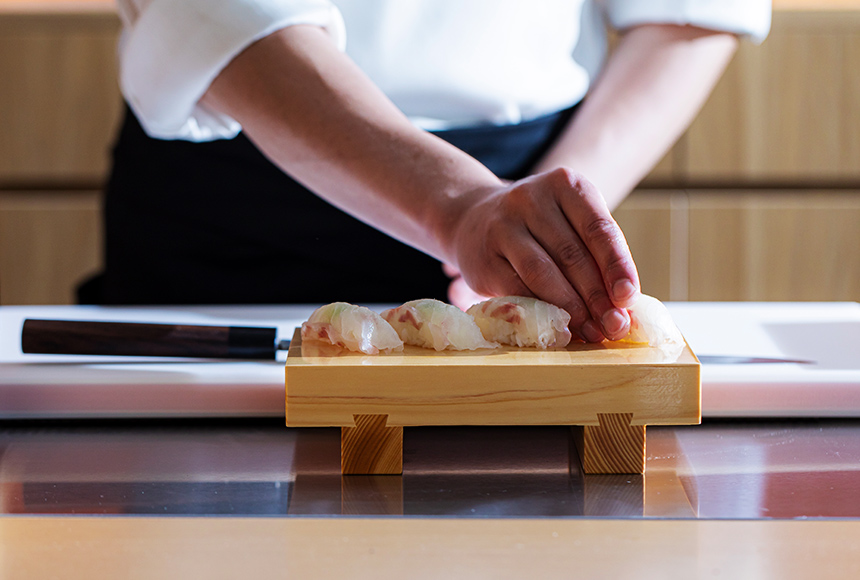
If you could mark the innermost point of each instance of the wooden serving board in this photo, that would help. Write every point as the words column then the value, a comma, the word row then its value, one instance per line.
column 611, row 390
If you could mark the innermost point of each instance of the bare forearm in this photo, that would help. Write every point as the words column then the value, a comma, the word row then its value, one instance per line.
column 313, row 113
column 316, row 115
column 651, row 89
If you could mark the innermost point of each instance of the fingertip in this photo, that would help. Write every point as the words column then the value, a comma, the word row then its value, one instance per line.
column 616, row 323
column 624, row 293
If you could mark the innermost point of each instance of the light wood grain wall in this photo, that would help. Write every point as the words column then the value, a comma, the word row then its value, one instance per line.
column 59, row 98
column 757, row 245
column 59, row 106
column 49, row 241
column 774, row 245
column 787, row 111
column 650, row 221
column 780, row 130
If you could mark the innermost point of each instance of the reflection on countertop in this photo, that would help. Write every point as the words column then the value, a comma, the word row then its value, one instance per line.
column 727, row 469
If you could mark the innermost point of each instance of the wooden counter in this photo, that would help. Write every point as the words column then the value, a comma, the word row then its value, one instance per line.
column 89, row 548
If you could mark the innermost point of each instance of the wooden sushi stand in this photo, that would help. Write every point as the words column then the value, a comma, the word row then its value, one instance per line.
column 608, row 393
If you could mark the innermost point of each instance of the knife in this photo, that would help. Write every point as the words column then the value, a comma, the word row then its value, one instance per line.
column 718, row 359
column 196, row 341
column 144, row 339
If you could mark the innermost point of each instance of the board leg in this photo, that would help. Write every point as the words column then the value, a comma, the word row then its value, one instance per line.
column 613, row 446
column 371, row 448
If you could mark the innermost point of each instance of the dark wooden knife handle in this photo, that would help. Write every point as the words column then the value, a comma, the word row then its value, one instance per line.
column 142, row 339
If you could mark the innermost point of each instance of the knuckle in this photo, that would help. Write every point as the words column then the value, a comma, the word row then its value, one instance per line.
column 573, row 256
column 617, row 263
column 566, row 175
column 571, row 180
column 604, row 229
column 598, row 301
column 536, row 271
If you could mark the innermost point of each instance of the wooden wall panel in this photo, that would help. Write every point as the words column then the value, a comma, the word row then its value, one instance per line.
column 718, row 248
column 59, row 98
column 780, row 245
column 646, row 219
column 787, row 110
column 49, row 242
column 850, row 103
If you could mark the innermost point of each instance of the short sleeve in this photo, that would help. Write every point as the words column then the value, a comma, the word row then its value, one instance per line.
column 174, row 49
column 744, row 17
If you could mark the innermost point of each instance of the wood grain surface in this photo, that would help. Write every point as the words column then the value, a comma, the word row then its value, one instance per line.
column 59, row 99
column 614, row 446
column 654, row 224
column 50, row 241
column 789, row 245
column 214, row 548
column 506, row 386
column 371, row 447
column 785, row 111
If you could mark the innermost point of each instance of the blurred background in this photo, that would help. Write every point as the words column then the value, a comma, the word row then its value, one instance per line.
column 759, row 200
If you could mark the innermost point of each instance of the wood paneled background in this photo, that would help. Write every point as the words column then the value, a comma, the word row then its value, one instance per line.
column 59, row 105
column 759, row 200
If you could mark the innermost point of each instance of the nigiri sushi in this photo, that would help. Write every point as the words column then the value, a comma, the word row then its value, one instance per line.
column 433, row 324
column 521, row 321
column 650, row 322
column 353, row 327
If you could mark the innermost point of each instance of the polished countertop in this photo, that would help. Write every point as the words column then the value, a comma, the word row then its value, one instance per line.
column 721, row 469
column 251, row 498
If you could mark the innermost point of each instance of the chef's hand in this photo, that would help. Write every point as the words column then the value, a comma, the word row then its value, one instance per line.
column 552, row 237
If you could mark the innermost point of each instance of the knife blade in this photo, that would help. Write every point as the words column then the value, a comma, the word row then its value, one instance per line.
column 145, row 339
column 718, row 359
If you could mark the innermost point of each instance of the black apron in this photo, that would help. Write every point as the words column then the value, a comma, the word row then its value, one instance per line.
column 218, row 223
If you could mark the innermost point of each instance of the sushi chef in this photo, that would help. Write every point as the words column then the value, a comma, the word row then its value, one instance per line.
column 309, row 151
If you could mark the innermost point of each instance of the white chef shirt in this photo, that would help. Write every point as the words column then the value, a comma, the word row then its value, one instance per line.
column 444, row 63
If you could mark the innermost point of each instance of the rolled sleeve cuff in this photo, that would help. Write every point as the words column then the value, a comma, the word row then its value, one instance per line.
column 176, row 48
column 743, row 17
